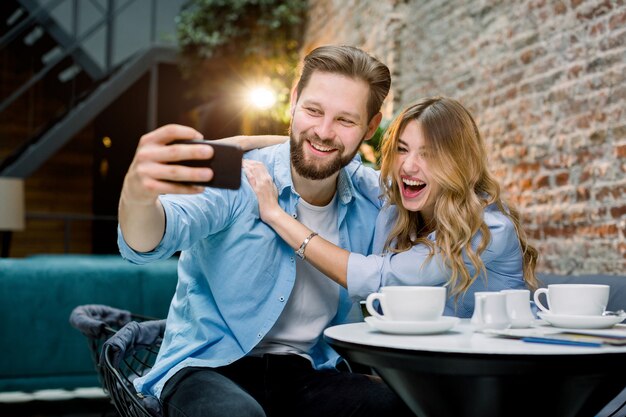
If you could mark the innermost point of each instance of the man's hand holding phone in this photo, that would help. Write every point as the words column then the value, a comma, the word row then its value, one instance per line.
column 225, row 164
column 160, row 167
column 168, row 161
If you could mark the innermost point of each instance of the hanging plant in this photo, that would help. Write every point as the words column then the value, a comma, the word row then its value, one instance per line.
column 225, row 42
column 370, row 150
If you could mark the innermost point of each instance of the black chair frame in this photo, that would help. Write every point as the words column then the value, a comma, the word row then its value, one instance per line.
column 123, row 346
column 127, row 355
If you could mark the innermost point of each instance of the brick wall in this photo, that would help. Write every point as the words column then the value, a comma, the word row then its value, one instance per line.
column 546, row 81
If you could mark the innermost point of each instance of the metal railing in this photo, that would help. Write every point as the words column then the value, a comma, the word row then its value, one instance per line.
column 76, row 43
column 74, row 51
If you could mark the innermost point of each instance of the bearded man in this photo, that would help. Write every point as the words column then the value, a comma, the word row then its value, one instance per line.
column 244, row 329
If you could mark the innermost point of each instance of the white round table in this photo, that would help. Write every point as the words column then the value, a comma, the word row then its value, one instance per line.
column 465, row 373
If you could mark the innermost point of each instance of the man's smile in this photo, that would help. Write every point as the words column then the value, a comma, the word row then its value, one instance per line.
column 320, row 149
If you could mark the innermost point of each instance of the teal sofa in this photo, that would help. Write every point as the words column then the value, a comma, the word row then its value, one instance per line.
column 39, row 349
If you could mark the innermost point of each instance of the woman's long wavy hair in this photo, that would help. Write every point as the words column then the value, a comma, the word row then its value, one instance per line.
column 458, row 163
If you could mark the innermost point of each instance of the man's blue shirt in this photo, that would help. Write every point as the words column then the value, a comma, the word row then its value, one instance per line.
column 235, row 273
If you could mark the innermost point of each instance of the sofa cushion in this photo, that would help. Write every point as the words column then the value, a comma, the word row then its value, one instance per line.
column 37, row 295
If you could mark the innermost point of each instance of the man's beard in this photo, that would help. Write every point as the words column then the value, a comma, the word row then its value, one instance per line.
column 315, row 170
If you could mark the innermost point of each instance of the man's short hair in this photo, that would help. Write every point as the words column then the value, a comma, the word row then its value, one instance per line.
column 351, row 62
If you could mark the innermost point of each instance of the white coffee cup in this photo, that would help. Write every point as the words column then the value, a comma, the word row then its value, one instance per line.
column 490, row 310
column 574, row 299
column 518, row 308
column 408, row 303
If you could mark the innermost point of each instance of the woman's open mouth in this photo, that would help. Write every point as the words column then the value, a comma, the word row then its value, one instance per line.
column 411, row 188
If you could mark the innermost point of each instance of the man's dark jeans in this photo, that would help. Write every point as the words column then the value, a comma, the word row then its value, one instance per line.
column 277, row 386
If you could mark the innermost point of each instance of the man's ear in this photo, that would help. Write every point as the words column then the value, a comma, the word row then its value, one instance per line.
column 373, row 125
column 293, row 101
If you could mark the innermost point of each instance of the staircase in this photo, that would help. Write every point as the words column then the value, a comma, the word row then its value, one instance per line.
column 82, row 53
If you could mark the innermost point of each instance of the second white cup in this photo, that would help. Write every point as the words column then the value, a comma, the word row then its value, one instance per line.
column 408, row 303
column 518, row 308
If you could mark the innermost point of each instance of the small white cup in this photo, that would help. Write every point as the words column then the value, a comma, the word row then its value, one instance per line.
column 408, row 303
column 518, row 308
column 574, row 299
column 490, row 311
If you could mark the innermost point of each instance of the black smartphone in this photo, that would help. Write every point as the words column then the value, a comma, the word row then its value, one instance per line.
column 226, row 164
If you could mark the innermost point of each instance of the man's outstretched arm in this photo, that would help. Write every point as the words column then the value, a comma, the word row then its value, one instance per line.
column 141, row 215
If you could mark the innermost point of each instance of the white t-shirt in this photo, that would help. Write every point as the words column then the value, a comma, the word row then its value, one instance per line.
column 315, row 297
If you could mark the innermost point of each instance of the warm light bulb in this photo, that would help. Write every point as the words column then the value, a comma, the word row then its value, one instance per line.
column 262, row 97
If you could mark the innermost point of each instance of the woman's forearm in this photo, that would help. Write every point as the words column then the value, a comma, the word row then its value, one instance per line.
column 248, row 143
column 323, row 255
column 328, row 258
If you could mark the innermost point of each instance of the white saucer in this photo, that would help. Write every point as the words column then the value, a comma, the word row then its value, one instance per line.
column 581, row 322
column 412, row 327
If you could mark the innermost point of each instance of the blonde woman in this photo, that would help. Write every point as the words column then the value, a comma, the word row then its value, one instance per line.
column 442, row 220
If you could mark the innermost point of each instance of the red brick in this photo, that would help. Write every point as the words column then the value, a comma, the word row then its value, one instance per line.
column 605, row 192
column 597, row 29
column 602, row 231
column 526, row 184
column 526, row 167
column 511, row 93
column 618, row 212
column 585, row 175
column 583, row 121
column 597, row 213
column 525, row 200
column 542, row 181
column 573, row 73
column 598, row 136
column 527, row 56
column 562, row 232
column 562, row 178
column 620, row 151
column 537, row 4
column 557, row 216
column 619, row 132
column 595, row 11
column 617, row 21
column 599, row 116
column 534, row 234
column 499, row 172
column 577, row 217
column 583, row 155
column 605, row 230
column 612, row 41
column 582, row 194
column 560, row 8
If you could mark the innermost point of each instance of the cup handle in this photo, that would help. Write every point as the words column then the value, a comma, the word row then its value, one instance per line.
column 538, row 303
column 369, row 304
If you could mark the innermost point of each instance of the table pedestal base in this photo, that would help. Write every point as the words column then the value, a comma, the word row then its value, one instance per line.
column 434, row 384
column 433, row 396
